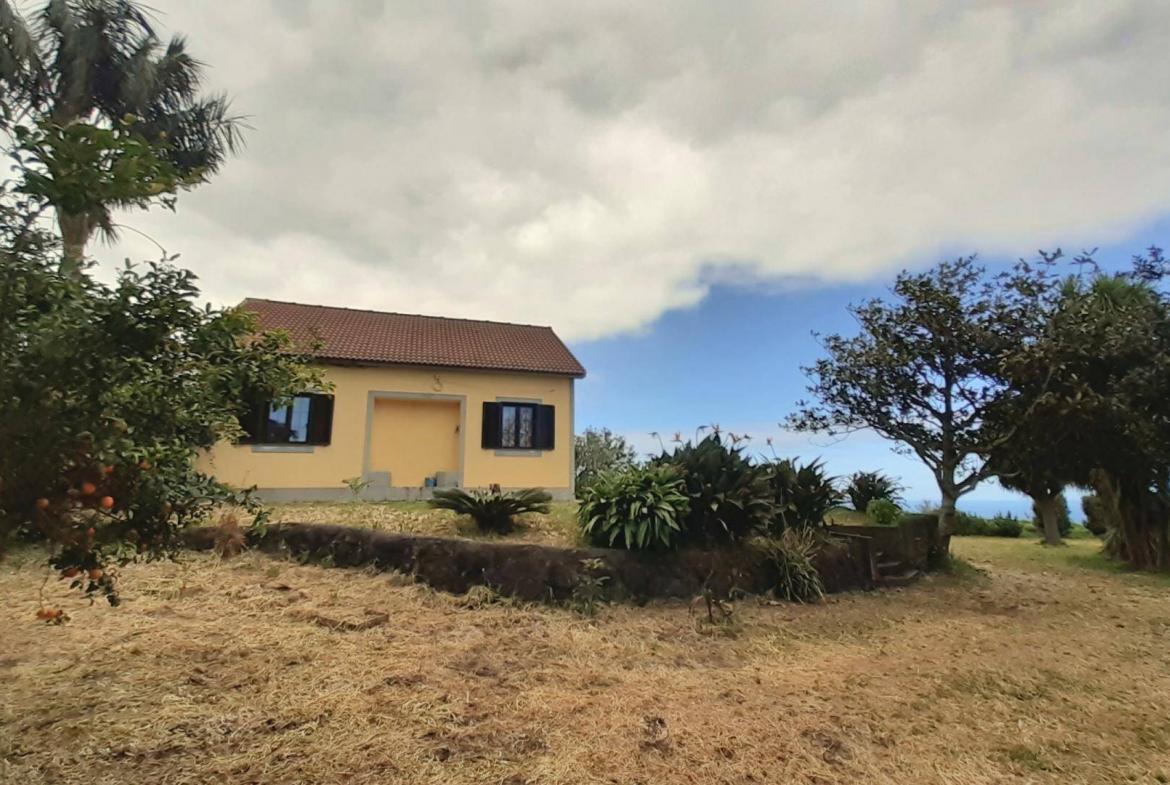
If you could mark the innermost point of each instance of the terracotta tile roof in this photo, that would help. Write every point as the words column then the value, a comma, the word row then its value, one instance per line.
column 352, row 335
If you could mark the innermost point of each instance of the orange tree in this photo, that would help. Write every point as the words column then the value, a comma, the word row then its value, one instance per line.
column 108, row 393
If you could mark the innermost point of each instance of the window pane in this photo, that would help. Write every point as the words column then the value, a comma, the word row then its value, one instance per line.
column 277, row 430
column 508, row 426
column 299, row 423
column 526, row 417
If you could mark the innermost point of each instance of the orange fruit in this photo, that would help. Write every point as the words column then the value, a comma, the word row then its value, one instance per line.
column 144, row 465
column 72, row 572
column 42, row 503
column 107, row 503
column 44, row 613
column 108, row 470
column 95, row 574
column 88, row 489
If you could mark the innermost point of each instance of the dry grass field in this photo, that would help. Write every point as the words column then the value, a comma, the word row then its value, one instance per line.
column 559, row 527
column 1030, row 666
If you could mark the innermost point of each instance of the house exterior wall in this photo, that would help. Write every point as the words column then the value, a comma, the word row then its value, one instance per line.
column 293, row 472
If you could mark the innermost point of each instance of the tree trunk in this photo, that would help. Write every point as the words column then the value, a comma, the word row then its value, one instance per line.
column 1047, row 508
column 941, row 549
column 946, row 514
column 1139, row 523
column 75, row 232
column 1108, row 493
column 1143, row 533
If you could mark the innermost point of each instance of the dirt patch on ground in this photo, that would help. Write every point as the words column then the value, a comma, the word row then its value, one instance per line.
column 226, row 672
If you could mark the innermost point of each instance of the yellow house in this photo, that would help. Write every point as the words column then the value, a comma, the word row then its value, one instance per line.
column 417, row 402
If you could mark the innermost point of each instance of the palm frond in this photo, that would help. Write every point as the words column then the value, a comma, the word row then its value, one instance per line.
column 136, row 82
column 20, row 59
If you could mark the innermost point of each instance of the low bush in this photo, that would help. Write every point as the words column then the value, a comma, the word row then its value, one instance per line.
column 801, row 494
column 640, row 508
column 492, row 511
column 1006, row 525
column 108, row 393
column 791, row 555
column 730, row 498
column 883, row 512
column 598, row 451
column 918, row 518
column 865, row 487
column 1096, row 514
column 1001, row 525
column 968, row 525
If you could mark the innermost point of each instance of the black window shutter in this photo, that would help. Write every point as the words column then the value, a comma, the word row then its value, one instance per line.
column 546, row 421
column 491, row 425
column 320, row 418
column 252, row 421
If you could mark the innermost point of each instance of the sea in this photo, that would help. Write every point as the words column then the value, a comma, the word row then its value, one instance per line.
column 1019, row 506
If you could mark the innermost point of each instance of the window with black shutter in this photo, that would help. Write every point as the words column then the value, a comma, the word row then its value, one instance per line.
column 304, row 419
column 518, row 426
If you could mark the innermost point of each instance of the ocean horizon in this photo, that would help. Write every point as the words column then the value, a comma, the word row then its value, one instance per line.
column 1019, row 506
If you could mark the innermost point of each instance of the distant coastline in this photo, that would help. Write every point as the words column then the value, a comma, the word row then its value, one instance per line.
column 1019, row 506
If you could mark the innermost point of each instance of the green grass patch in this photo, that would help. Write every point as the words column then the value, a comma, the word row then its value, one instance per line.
column 960, row 568
column 1076, row 555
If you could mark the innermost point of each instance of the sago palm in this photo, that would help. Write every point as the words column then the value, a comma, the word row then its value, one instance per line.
column 492, row 510
column 101, row 62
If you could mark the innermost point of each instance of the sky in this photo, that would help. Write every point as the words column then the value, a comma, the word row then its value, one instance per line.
column 684, row 190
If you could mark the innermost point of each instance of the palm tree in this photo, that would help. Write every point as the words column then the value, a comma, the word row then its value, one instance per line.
column 101, row 62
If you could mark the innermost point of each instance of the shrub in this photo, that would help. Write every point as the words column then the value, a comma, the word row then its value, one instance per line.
column 598, row 451
column 1063, row 518
column 1002, row 525
column 640, row 508
column 107, row 394
column 791, row 555
column 917, row 518
column 1005, row 525
column 969, row 525
column 1096, row 514
column 730, row 498
column 492, row 510
column 802, row 495
column 865, row 487
column 883, row 512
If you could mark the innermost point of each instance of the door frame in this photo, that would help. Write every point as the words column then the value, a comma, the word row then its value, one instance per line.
column 372, row 398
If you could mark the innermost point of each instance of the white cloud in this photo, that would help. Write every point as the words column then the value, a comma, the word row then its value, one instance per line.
column 591, row 165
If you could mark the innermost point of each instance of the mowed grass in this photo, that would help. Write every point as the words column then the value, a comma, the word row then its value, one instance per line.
column 1032, row 665
column 559, row 527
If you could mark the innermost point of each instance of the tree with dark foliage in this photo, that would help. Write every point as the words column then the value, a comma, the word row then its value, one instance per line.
column 1091, row 404
column 919, row 372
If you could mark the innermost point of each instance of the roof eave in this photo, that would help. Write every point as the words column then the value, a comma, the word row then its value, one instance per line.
column 362, row 362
